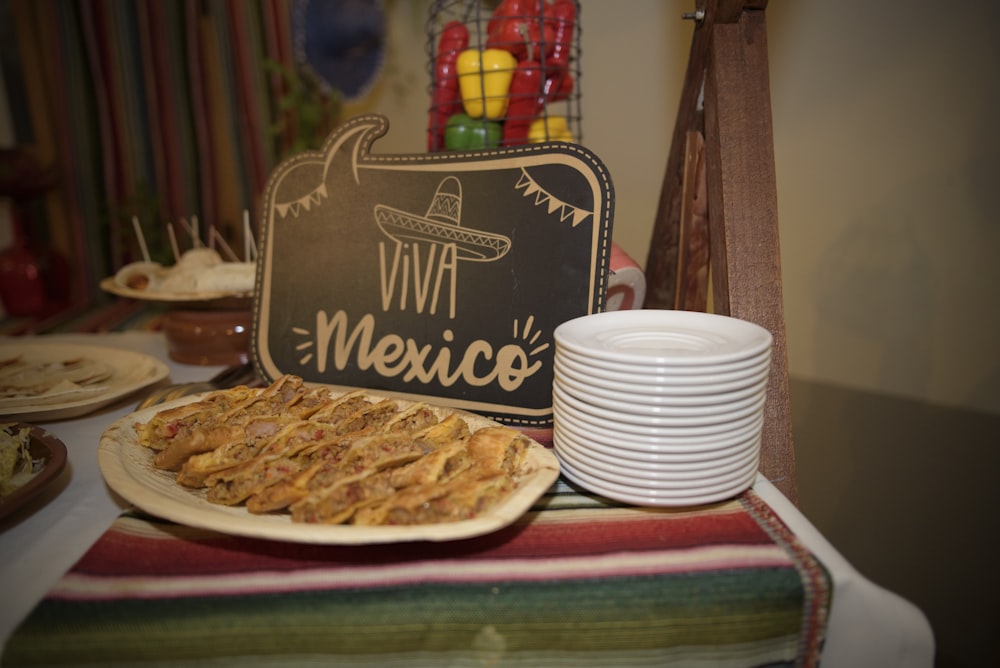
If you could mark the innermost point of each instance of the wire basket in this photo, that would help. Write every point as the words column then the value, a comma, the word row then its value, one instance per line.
column 503, row 73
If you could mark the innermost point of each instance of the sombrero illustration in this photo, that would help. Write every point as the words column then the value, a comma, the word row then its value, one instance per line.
column 442, row 225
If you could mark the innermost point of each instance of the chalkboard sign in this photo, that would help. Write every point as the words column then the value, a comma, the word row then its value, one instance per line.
column 436, row 277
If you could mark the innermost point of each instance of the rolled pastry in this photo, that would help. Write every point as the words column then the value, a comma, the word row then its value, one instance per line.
column 144, row 276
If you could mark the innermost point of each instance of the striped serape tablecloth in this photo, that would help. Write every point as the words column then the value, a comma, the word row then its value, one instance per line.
column 116, row 315
column 578, row 581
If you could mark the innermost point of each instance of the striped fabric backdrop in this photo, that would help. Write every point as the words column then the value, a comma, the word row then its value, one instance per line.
column 163, row 110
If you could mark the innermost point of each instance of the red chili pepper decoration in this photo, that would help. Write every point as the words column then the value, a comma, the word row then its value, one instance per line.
column 561, row 18
column 558, row 86
column 445, row 98
column 517, row 26
column 525, row 102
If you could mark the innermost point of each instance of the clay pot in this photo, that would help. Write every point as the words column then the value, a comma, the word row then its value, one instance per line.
column 208, row 337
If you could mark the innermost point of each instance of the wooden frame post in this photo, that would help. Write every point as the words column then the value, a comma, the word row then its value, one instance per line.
column 728, row 70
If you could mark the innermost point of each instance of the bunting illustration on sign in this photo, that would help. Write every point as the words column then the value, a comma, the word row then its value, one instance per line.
column 435, row 277
column 553, row 204
column 304, row 203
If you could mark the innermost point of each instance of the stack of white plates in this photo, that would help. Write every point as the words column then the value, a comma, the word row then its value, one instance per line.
column 660, row 408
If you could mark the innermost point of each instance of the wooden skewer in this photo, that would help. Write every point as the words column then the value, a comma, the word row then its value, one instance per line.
column 142, row 239
column 173, row 242
column 191, row 231
column 249, row 243
column 215, row 236
column 246, row 235
column 186, row 225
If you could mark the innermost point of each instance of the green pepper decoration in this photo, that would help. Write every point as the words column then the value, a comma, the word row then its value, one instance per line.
column 463, row 133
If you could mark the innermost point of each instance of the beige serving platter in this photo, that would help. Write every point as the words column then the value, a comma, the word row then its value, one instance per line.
column 216, row 298
column 130, row 372
column 127, row 468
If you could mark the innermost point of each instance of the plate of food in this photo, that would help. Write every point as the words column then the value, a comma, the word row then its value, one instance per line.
column 310, row 463
column 52, row 380
column 199, row 275
column 30, row 460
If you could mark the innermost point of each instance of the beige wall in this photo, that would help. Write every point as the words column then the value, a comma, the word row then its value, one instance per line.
column 887, row 148
column 888, row 162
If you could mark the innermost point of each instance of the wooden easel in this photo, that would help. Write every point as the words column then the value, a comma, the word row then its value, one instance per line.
column 726, row 100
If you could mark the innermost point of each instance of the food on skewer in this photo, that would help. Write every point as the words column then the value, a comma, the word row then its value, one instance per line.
column 200, row 269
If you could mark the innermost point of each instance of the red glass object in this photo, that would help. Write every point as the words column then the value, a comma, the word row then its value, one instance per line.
column 34, row 280
column 22, row 286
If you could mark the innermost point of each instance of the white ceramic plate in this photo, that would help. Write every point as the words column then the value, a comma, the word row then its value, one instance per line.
column 643, row 497
column 652, row 336
column 705, row 421
column 644, row 439
column 678, row 373
column 727, row 460
column 639, row 453
column 661, row 383
column 646, row 405
column 709, row 480
column 677, row 434
column 127, row 468
column 130, row 372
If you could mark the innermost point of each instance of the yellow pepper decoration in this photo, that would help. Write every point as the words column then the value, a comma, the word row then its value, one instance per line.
column 485, row 73
column 551, row 128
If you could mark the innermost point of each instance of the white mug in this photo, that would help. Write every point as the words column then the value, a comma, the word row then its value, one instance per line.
column 626, row 282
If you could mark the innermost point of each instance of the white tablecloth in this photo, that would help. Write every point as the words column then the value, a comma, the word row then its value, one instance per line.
column 868, row 625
